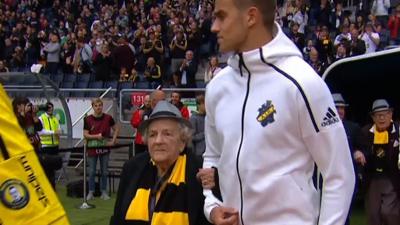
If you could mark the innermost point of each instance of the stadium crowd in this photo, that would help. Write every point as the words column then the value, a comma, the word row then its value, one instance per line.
column 117, row 40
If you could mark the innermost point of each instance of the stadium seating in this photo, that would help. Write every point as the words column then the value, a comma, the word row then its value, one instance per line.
column 83, row 77
column 142, row 85
column 70, row 78
column 95, row 84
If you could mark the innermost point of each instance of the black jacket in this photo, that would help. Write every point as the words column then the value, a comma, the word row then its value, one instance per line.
column 131, row 173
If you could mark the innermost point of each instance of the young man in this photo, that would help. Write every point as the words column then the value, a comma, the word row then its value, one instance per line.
column 97, row 130
column 278, row 119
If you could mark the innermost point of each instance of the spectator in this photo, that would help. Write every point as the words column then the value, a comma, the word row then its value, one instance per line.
column 394, row 26
column 371, row 38
column 3, row 68
column 324, row 46
column 52, row 50
column 338, row 17
column 344, row 37
column 143, row 114
column 160, row 183
column 341, row 52
column 187, row 71
column 153, row 73
column 32, row 46
column 123, row 55
column 178, row 47
column 17, row 60
column 154, row 48
column 97, row 130
column 197, row 121
column 85, row 56
column 380, row 157
column 357, row 45
column 380, row 9
column 297, row 37
column 314, row 61
column 384, row 36
column 307, row 49
column 67, row 55
column 300, row 17
column 26, row 114
column 124, row 75
column 360, row 23
column 323, row 13
column 212, row 70
column 176, row 101
column 103, row 64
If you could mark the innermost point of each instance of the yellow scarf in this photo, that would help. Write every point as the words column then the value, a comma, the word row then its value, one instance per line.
column 171, row 204
column 381, row 138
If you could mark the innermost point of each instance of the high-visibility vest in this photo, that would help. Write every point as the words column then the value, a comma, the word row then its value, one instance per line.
column 49, row 123
column 26, row 196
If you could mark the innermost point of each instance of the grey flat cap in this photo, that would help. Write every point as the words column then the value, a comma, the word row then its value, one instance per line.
column 339, row 100
column 380, row 105
column 165, row 110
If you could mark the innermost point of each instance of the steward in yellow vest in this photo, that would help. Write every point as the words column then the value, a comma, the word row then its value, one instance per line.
column 50, row 134
column 50, row 139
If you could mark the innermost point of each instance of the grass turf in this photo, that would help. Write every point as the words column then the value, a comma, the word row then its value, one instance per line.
column 102, row 213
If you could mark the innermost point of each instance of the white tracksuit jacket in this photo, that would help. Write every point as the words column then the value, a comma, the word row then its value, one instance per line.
column 269, row 118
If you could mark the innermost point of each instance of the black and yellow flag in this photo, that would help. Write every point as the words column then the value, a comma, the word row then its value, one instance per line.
column 26, row 196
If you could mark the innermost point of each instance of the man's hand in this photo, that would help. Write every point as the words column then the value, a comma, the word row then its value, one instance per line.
column 99, row 136
column 359, row 157
column 110, row 143
column 206, row 177
column 224, row 216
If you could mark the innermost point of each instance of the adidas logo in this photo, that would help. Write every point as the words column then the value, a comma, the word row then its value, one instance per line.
column 330, row 118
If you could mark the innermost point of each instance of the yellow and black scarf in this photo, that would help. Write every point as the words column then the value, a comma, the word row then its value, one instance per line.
column 170, row 198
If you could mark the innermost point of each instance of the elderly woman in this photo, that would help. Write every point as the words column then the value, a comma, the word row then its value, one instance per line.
column 160, row 186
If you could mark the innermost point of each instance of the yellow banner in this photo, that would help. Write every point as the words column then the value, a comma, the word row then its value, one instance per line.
column 26, row 196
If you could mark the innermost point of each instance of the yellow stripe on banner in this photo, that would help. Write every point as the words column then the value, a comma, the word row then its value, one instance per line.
column 170, row 218
column 178, row 174
column 138, row 209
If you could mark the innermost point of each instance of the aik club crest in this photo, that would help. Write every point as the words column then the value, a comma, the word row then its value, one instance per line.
column 14, row 194
column 266, row 113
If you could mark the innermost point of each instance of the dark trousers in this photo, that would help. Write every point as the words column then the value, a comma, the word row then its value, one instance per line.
column 52, row 68
column 382, row 203
column 51, row 162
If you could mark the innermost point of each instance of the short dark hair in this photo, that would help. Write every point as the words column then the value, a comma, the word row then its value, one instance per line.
column 266, row 7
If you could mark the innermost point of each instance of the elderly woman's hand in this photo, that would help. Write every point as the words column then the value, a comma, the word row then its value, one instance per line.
column 206, row 177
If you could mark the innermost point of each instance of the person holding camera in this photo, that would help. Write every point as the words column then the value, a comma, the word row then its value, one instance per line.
column 26, row 114
column 28, row 120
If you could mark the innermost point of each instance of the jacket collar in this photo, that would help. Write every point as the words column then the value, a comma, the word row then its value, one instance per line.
column 373, row 128
column 254, row 61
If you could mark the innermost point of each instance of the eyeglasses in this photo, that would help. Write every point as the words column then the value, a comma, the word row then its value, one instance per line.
column 381, row 114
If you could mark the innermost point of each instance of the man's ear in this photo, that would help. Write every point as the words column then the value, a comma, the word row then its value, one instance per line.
column 253, row 16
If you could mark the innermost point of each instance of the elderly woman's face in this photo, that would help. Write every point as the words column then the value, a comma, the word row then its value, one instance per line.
column 164, row 141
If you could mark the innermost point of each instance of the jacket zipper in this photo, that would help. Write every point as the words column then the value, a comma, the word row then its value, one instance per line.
column 241, row 63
